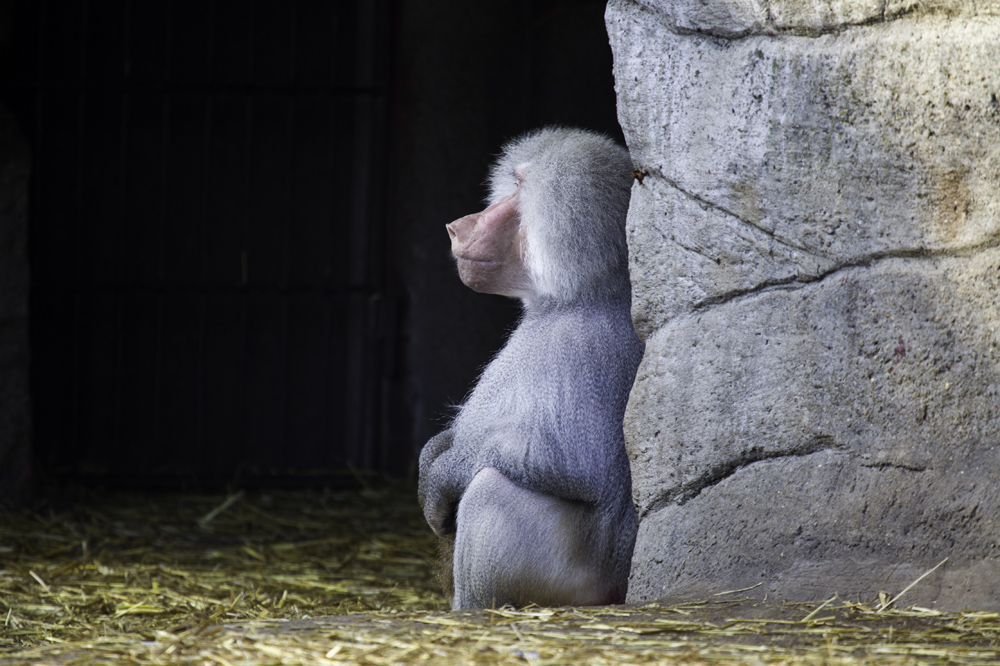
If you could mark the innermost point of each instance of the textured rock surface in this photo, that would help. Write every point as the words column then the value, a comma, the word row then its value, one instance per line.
column 15, row 416
column 740, row 18
column 816, row 271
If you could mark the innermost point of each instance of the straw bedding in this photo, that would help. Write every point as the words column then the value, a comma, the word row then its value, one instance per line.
column 320, row 577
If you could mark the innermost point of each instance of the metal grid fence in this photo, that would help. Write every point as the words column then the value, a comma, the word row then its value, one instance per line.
column 206, row 235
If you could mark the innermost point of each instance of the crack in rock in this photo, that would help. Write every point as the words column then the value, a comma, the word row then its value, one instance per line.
column 693, row 250
column 718, row 473
column 801, row 280
column 769, row 27
column 895, row 465
column 725, row 211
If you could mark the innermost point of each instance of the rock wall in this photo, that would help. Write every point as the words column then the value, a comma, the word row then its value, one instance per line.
column 815, row 256
column 15, row 414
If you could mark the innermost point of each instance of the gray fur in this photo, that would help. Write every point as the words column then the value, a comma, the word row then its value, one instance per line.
column 574, row 200
column 532, row 475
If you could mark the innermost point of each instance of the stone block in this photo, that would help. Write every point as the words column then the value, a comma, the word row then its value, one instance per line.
column 815, row 259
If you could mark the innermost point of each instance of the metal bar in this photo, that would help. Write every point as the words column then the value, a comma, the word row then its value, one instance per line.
column 75, row 366
column 119, row 243
column 286, row 265
column 203, row 303
column 215, row 290
column 172, row 87
column 248, row 189
column 161, row 241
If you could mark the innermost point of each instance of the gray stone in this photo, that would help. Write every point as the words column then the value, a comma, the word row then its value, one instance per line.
column 15, row 413
column 771, row 526
column 856, row 419
column 815, row 257
column 740, row 18
column 806, row 142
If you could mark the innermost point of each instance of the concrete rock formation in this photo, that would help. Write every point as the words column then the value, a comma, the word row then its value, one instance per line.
column 815, row 259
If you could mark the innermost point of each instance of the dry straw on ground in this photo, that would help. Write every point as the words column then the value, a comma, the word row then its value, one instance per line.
column 347, row 577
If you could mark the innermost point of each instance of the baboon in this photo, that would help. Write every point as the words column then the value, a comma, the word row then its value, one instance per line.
column 530, row 484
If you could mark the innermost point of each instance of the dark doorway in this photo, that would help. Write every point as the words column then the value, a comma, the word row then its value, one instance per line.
column 205, row 235
column 239, row 270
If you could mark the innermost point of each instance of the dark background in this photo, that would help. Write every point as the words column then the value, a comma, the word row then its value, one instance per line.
column 239, row 268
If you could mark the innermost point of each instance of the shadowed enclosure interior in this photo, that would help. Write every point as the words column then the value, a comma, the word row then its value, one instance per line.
column 205, row 235
column 239, row 272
